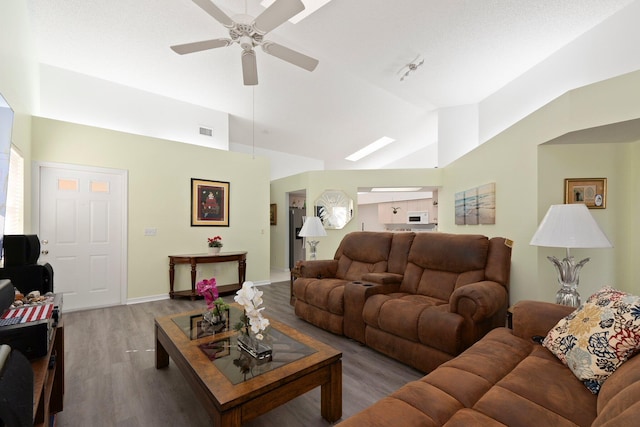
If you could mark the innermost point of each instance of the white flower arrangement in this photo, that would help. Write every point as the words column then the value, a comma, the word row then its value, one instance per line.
column 250, row 299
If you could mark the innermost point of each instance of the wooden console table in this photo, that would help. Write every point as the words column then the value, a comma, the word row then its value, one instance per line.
column 195, row 259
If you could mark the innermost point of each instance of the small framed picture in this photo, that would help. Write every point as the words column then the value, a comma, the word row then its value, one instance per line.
column 273, row 214
column 589, row 191
column 209, row 203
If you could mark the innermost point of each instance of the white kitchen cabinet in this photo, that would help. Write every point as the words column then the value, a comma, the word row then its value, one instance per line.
column 419, row 205
column 386, row 215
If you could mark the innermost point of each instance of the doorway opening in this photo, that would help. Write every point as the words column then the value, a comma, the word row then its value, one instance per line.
column 297, row 208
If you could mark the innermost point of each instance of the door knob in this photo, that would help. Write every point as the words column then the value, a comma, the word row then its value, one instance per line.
column 45, row 241
column 45, row 252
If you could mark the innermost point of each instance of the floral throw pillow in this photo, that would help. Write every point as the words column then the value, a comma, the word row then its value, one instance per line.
column 598, row 337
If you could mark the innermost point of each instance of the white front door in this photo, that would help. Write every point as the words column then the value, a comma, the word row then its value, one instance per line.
column 82, row 233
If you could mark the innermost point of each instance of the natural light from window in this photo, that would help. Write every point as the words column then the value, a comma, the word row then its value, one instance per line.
column 374, row 146
column 14, row 223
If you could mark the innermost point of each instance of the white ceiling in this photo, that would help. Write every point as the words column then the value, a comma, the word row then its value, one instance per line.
column 471, row 48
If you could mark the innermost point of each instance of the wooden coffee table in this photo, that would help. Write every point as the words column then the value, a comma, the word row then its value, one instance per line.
column 235, row 388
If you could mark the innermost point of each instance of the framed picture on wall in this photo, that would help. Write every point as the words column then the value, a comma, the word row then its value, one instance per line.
column 589, row 191
column 209, row 203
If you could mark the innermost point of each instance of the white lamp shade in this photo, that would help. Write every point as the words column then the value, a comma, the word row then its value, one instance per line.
column 570, row 226
column 312, row 227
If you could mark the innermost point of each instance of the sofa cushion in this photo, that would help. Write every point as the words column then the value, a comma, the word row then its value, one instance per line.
column 618, row 403
column 438, row 263
column 326, row 294
column 381, row 312
column 594, row 340
column 502, row 380
column 510, row 379
column 362, row 252
column 351, row 269
column 400, row 246
column 456, row 253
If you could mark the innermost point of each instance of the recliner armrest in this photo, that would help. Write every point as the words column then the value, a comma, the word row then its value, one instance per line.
column 478, row 301
column 531, row 318
column 317, row 268
column 382, row 278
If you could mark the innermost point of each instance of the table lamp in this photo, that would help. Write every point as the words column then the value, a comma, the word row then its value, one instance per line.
column 569, row 226
column 312, row 227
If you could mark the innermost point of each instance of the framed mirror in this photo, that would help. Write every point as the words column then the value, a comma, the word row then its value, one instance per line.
column 334, row 208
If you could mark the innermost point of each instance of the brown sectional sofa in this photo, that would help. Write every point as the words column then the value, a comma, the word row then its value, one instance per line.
column 439, row 293
column 508, row 379
column 365, row 255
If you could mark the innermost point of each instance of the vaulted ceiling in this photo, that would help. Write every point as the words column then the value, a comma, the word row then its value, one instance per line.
column 470, row 48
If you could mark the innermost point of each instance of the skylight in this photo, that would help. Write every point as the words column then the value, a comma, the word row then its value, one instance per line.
column 310, row 7
column 394, row 189
column 374, row 146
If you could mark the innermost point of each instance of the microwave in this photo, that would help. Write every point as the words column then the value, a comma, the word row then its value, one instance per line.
column 421, row 217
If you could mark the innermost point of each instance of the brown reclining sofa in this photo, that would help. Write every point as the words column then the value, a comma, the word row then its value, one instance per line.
column 421, row 298
column 508, row 379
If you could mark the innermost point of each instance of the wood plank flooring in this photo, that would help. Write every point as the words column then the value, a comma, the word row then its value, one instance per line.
column 111, row 379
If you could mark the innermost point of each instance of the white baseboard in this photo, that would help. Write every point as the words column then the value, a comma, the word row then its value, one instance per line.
column 149, row 298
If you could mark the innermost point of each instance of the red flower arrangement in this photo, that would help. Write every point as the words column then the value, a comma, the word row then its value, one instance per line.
column 215, row 242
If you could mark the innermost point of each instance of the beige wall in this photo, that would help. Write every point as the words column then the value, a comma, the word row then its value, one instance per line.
column 616, row 163
column 348, row 181
column 159, row 174
column 530, row 177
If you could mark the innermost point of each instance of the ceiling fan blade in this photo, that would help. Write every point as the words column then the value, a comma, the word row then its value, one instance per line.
column 249, row 68
column 276, row 14
column 215, row 12
column 291, row 56
column 199, row 46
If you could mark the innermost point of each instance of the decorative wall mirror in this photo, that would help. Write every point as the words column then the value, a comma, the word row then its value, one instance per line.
column 334, row 208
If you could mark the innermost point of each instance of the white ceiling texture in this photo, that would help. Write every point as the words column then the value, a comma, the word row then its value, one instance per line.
column 470, row 48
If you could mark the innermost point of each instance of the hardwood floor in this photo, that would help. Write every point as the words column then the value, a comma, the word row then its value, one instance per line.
column 111, row 379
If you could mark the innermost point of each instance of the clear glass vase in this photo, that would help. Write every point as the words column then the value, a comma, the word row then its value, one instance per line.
column 260, row 349
column 214, row 322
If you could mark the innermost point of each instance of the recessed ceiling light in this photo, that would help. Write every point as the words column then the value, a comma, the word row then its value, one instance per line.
column 310, row 6
column 374, row 146
column 387, row 189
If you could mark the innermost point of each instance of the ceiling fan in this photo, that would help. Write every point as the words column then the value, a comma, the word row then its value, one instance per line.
column 249, row 32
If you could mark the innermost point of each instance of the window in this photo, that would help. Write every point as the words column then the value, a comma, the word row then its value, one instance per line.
column 14, row 223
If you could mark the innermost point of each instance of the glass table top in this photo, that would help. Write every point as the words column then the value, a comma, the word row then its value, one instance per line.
column 237, row 365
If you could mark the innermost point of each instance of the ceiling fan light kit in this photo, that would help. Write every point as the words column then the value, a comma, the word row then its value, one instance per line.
column 248, row 33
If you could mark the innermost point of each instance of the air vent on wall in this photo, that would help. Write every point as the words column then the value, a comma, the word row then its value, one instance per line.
column 206, row 131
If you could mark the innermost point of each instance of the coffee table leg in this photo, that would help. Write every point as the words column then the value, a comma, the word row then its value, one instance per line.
column 162, row 357
column 230, row 418
column 331, row 394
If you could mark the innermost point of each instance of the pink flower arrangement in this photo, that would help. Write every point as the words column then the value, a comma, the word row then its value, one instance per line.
column 215, row 242
column 209, row 290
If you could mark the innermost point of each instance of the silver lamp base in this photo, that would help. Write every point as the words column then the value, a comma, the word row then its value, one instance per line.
column 568, row 278
column 313, row 245
column 568, row 295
